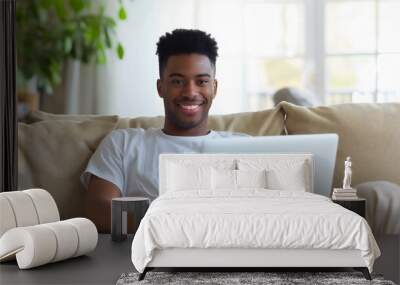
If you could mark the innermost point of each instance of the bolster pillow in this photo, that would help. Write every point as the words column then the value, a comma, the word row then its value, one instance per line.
column 40, row 244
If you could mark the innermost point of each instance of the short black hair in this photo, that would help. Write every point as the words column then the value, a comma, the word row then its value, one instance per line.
column 185, row 41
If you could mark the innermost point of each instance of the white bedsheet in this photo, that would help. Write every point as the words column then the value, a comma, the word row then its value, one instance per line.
column 250, row 219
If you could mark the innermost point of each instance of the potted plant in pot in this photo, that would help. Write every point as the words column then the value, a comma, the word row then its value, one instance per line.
column 52, row 32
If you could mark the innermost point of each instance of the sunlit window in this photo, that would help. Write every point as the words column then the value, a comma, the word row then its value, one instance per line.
column 274, row 48
column 344, row 51
column 362, row 51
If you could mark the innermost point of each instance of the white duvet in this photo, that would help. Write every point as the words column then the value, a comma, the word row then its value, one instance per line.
column 250, row 219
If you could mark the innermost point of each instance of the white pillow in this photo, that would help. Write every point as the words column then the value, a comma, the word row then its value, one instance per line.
column 223, row 179
column 292, row 179
column 182, row 177
column 281, row 173
column 251, row 178
column 227, row 179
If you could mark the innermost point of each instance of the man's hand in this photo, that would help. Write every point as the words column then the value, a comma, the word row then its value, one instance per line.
column 98, row 202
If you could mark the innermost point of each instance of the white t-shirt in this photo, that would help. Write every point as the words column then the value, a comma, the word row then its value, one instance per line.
column 128, row 158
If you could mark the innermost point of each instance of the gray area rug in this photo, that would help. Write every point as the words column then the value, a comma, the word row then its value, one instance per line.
column 225, row 278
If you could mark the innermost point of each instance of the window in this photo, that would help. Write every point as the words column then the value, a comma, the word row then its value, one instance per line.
column 274, row 48
column 362, row 50
column 341, row 50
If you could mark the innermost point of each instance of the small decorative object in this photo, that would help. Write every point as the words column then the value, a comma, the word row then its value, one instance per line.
column 347, row 173
column 119, row 214
column 346, row 193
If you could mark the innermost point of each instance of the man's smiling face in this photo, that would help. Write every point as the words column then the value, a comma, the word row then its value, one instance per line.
column 187, row 86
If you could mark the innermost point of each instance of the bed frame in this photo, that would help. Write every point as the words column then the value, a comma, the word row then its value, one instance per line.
column 250, row 259
column 256, row 259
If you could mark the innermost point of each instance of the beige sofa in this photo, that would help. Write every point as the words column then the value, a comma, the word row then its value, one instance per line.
column 53, row 150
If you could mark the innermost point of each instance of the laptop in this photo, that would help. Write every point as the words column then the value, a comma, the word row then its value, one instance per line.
column 323, row 147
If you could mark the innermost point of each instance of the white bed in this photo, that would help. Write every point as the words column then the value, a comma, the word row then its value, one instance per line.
column 196, row 224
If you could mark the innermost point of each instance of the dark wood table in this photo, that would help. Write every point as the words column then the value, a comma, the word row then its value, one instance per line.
column 104, row 265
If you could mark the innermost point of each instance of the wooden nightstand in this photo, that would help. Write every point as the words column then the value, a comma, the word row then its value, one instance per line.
column 358, row 206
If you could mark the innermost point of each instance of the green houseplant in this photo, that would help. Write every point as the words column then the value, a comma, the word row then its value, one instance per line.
column 49, row 32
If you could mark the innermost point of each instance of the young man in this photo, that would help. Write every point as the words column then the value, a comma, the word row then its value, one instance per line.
column 126, row 161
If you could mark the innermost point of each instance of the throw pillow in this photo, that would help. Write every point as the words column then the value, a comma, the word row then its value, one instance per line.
column 223, row 179
column 282, row 173
column 251, row 178
column 181, row 177
column 369, row 133
column 290, row 179
column 53, row 154
column 227, row 179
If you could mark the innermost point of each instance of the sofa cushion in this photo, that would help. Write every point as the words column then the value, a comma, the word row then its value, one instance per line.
column 262, row 123
column 52, row 155
column 369, row 133
column 141, row 122
column 38, row 116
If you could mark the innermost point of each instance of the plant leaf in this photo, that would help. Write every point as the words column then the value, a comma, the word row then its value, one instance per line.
column 120, row 51
column 101, row 56
column 122, row 13
column 51, row 31
column 60, row 8
column 110, row 22
column 107, row 38
column 77, row 5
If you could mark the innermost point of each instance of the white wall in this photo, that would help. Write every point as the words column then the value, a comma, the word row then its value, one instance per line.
column 128, row 85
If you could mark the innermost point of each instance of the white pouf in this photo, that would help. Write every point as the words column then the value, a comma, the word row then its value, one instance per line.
column 31, row 230
column 40, row 244
column 26, row 208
